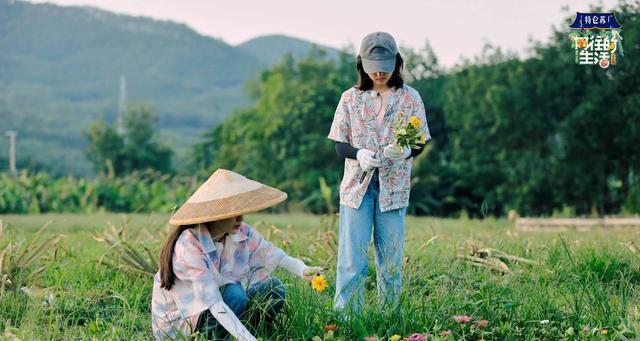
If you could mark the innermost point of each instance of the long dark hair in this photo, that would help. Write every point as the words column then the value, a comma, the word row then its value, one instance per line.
column 167, row 276
column 365, row 83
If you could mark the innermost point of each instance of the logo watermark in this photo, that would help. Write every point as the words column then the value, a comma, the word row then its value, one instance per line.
column 596, row 39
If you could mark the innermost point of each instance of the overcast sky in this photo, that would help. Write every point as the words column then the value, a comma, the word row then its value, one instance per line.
column 455, row 28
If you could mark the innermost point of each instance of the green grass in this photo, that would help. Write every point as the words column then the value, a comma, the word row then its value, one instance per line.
column 584, row 279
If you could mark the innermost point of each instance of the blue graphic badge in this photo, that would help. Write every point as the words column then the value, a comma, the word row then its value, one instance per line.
column 601, row 21
column 596, row 39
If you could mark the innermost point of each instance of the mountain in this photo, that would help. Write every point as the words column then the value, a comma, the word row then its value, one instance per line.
column 270, row 48
column 60, row 69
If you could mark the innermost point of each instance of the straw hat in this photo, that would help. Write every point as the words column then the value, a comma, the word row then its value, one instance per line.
column 224, row 195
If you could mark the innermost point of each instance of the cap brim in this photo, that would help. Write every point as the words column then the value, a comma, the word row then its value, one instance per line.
column 382, row 65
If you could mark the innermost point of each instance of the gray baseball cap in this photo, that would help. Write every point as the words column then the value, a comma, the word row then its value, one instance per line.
column 378, row 52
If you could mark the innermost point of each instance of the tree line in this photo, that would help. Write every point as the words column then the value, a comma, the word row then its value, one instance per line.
column 539, row 135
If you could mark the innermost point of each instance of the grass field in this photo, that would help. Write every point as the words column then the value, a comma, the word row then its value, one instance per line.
column 583, row 285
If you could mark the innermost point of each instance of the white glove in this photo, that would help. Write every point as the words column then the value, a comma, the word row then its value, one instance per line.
column 393, row 152
column 367, row 160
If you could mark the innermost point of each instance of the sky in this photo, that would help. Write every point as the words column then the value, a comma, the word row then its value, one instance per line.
column 454, row 28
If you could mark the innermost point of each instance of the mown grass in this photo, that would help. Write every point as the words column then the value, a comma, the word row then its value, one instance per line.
column 585, row 286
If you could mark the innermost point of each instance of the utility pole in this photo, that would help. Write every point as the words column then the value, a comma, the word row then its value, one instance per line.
column 122, row 105
column 12, row 152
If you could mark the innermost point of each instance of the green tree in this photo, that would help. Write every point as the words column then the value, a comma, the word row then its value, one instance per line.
column 137, row 148
column 539, row 134
column 544, row 133
column 282, row 138
column 435, row 187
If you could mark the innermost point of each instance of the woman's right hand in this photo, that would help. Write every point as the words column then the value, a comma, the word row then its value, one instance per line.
column 367, row 160
column 310, row 272
column 396, row 153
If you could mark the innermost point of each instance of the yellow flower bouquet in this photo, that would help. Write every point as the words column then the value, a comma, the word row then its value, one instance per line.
column 409, row 134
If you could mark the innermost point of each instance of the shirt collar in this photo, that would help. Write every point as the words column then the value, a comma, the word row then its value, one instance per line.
column 396, row 93
column 239, row 236
column 203, row 235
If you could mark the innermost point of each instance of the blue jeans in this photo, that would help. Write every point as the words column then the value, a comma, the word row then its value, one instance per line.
column 270, row 291
column 356, row 227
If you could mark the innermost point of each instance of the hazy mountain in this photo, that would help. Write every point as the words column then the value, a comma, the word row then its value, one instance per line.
column 270, row 49
column 60, row 69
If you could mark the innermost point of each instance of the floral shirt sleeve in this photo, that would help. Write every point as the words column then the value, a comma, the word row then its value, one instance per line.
column 264, row 256
column 340, row 128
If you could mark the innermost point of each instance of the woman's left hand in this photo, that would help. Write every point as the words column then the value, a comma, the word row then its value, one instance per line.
column 394, row 152
column 310, row 272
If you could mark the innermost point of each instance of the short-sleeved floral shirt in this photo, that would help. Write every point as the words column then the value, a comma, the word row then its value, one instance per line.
column 355, row 123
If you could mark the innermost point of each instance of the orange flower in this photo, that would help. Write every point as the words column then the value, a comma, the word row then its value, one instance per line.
column 330, row 327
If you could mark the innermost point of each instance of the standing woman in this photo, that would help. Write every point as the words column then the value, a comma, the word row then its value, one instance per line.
column 213, row 266
column 374, row 192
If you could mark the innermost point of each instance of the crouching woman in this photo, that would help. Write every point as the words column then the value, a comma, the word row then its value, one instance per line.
column 214, row 266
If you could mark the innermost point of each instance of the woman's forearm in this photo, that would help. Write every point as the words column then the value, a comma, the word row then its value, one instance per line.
column 346, row 150
column 293, row 265
column 415, row 152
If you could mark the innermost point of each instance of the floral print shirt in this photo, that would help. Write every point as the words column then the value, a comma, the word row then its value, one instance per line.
column 201, row 267
column 354, row 122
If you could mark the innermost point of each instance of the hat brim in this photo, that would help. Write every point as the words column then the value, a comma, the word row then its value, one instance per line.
column 380, row 65
column 252, row 201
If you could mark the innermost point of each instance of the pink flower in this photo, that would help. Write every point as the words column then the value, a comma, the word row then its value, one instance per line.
column 416, row 337
column 462, row 318
column 371, row 338
column 482, row 324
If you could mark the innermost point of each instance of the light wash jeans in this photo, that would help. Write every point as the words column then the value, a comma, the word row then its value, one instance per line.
column 270, row 292
column 356, row 227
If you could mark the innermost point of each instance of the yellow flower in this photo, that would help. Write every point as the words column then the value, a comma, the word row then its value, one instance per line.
column 423, row 139
column 395, row 338
column 603, row 331
column 415, row 121
column 319, row 283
